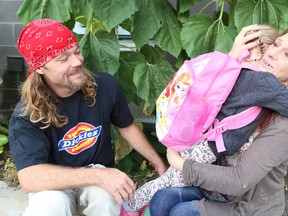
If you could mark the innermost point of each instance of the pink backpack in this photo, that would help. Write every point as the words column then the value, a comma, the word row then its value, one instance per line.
column 186, row 110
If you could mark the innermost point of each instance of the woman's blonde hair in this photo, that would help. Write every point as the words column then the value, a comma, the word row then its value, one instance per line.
column 41, row 104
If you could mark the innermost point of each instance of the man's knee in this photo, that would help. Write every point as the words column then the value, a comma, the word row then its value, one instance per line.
column 49, row 202
column 99, row 200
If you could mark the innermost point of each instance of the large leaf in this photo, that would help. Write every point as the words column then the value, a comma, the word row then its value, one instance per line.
column 128, row 62
column 126, row 164
column 196, row 31
column 113, row 12
column 225, row 39
column 168, row 36
column 153, row 54
column 82, row 8
column 201, row 35
column 100, row 51
column 146, row 22
column 150, row 80
column 37, row 9
column 122, row 148
column 185, row 5
column 273, row 12
column 3, row 139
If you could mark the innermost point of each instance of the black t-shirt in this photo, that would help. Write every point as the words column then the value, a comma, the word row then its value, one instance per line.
column 84, row 140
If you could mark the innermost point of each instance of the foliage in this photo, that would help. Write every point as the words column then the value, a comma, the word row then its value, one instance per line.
column 3, row 133
column 159, row 30
column 10, row 173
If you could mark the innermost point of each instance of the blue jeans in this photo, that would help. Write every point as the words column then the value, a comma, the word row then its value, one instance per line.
column 178, row 201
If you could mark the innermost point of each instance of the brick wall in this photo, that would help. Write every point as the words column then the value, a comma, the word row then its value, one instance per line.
column 10, row 28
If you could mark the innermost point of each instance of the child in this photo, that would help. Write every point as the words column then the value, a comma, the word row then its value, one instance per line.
column 205, row 151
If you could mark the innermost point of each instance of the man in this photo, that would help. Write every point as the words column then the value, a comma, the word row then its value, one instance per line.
column 60, row 130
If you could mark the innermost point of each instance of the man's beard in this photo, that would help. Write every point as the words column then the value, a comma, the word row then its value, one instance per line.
column 78, row 86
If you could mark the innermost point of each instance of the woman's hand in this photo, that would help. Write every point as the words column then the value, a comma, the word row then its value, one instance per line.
column 175, row 159
column 245, row 42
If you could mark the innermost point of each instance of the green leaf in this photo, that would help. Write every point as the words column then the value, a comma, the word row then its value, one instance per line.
column 37, row 9
column 128, row 62
column 3, row 140
column 159, row 147
column 126, row 164
column 201, row 35
column 101, row 51
column 82, row 8
column 195, row 33
column 114, row 134
column 185, row 5
column 150, row 80
column 168, row 37
column 113, row 12
column 219, row 2
column 137, row 157
column 153, row 55
column 225, row 39
column 146, row 22
column 4, row 130
column 272, row 12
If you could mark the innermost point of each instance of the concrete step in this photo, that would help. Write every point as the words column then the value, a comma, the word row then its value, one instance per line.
column 12, row 203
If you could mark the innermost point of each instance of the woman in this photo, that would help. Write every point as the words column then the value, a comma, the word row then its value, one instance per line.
column 255, row 185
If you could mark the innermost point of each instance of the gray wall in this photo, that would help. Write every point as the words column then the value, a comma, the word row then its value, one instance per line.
column 10, row 28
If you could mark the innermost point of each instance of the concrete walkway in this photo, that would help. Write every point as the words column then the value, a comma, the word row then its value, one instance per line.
column 12, row 202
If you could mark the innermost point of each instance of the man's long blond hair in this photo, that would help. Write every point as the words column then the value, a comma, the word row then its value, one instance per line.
column 40, row 102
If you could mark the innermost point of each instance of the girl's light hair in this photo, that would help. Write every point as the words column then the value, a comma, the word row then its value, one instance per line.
column 267, row 37
column 41, row 105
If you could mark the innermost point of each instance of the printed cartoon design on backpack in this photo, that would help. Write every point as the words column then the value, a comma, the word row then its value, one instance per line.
column 187, row 107
column 172, row 98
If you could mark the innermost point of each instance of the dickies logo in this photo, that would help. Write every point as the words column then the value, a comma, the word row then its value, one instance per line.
column 79, row 138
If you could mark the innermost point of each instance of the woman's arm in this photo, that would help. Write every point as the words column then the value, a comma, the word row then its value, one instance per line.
column 243, row 42
column 175, row 159
column 269, row 150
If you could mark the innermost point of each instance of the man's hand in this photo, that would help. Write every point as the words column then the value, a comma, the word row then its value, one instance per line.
column 116, row 183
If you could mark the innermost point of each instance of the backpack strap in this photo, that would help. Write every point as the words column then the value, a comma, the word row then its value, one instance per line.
column 233, row 122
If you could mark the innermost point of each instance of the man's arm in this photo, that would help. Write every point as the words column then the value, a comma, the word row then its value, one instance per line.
column 53, row 177
column 137, row 139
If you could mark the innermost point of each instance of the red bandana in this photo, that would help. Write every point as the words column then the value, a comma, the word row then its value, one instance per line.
column 43, row 40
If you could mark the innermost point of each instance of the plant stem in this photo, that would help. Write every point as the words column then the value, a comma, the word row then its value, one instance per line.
column 232, row 6
column 207, row 5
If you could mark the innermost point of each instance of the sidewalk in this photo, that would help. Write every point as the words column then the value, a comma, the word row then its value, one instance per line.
column 12, row 203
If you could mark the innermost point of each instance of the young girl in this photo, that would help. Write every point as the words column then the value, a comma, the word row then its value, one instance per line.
column 246, row 93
